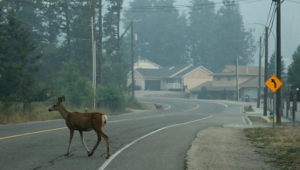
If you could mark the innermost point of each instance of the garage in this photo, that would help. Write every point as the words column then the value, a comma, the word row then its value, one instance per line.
column 152, row 85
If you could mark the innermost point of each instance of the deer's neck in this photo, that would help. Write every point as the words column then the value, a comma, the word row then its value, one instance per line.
column 64, row 113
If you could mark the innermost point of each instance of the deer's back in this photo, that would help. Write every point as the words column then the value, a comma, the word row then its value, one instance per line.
column 83, row 121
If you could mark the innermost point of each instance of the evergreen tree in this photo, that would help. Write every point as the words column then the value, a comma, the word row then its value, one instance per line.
column 293, row 70
column 201, row 32
column 159, row 23
column 114, row 69
column 232, row 38
column 18, row 64
column 271, row 67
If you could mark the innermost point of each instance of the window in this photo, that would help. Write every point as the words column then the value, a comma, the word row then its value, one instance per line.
column 217, row 78
column 229, row 78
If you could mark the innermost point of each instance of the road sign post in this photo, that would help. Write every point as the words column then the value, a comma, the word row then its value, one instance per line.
column 273, row 83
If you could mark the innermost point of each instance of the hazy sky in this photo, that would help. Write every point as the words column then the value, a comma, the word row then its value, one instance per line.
column 257, row 12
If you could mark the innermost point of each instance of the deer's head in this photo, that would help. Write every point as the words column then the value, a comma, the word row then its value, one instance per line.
column 57, row 106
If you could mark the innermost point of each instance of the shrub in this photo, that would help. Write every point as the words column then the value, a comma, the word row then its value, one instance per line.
column 110, row 96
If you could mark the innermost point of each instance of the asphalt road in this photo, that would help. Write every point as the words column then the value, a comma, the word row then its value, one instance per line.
column 145, row 140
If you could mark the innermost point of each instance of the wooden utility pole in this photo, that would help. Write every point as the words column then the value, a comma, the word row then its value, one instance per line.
column 259, row 75
column 100, row 42
column 94, row 53
column 118, row 29
column 266, row 71
column 132, row 69
column 278, row 66
column 237, row 78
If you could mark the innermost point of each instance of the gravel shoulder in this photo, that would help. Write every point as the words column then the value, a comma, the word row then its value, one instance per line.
column 219, row 148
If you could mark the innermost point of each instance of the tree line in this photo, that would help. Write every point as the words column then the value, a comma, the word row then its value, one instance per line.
column 46, row 45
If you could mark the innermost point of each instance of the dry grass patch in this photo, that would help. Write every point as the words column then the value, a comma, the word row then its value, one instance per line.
column 257, row 119
column 18, row 113
column 282, row 144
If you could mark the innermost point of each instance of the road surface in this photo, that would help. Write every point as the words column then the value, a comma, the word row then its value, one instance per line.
column 144, row 140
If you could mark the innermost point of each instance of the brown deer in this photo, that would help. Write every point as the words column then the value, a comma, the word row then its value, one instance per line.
column 159, row 107
column 83, row 122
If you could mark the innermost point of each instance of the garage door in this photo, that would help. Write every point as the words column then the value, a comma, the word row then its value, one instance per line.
column 152, row 85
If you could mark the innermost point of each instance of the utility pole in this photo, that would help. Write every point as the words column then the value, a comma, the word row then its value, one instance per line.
column 237, row 79
column 94, row 62
column 100, row 41
column 259, row 75
column 278, row 66
column 118, row 29
column 132, row 69
column 266, row 71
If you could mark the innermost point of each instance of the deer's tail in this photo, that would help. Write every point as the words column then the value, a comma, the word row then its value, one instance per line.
column 104, row 119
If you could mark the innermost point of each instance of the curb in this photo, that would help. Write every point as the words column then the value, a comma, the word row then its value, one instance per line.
column 248, row 120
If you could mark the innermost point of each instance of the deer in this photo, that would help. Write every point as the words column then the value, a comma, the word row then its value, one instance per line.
column 159, row 107
column 83, row 122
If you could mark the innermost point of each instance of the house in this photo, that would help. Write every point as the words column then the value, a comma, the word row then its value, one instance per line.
column 223, row 85
column 145, row 64
column 174, row 78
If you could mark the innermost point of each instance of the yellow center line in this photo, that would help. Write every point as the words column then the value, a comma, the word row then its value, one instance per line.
column 49, row 130
column 192, row 108
column 31, row 133
column 124, row 120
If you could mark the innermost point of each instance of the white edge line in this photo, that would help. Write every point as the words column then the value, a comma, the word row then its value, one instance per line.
column 106, row 163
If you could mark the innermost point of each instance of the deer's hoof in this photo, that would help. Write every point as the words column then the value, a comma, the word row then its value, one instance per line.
column 67, row 154
column 90, row 154
column 107, row 157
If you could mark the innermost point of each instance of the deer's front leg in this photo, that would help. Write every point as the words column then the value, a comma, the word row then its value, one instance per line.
column 71, row 137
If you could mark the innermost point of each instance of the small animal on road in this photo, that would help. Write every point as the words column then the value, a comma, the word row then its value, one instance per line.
column 159, row 107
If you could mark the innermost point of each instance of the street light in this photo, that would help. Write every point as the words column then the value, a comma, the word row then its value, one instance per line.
column 266, row 71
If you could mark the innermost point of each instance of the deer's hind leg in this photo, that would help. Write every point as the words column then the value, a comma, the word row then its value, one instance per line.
column 106, row 138
column 97, row 128
column 70, row 141
column 82, row 141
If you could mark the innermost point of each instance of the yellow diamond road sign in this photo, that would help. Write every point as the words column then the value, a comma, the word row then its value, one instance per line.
column 273, row 83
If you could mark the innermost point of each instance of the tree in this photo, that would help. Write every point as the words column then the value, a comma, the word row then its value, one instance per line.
column 293, row 70
column 17, row 61
column 159, row 23
column 77, row 89
column 201, row 32
column 271, row 68
column 232, row 38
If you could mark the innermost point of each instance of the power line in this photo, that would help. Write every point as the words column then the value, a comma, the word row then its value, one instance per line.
column 269, row 13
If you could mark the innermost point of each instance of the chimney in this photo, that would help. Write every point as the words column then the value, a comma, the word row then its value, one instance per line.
column 247, row 70
column 139, row 58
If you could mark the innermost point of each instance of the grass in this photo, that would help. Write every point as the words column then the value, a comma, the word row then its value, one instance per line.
column 281, row 144
column 257, row 119
column 16, row 113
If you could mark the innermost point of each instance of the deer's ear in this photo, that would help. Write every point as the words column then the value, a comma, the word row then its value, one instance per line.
column 59, row 99
column 63, row 99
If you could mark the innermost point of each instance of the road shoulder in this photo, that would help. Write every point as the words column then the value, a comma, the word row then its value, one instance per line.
column 223, row 148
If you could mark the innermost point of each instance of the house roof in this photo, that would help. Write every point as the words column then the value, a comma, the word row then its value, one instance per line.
column 165, row 72
column 207, row 84
column 242, row 70
column 254, row 82
column 191, row 69
column 146, row 64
